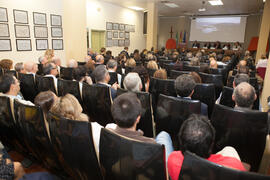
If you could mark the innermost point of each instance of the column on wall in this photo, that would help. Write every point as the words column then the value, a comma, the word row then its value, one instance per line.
column 152, row 25
column 264, row 31
column 74, row 27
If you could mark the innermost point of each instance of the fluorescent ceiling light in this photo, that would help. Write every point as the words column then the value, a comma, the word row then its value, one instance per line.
column 136, row 8
column 216, row 2
column 202, row 9
column 263, row 0
column 171, row 5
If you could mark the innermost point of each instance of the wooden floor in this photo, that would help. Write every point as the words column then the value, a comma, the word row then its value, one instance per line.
column 15, row 156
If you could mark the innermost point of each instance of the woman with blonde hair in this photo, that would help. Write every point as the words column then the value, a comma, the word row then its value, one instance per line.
column 49, row 54
column 160, row 74
column 152, row 65
column 69, row 107
column 131, row 63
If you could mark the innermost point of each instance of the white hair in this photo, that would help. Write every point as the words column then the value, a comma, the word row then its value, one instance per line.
column 132, row 82
column 72, row 63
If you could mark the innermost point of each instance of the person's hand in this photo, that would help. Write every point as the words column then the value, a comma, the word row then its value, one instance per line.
column 88, row 80
column 115, row 86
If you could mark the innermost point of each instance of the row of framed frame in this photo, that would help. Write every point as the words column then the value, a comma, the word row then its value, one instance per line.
column 23, row 31
column 120, row 27
column 118, row 42
column 117, row 34
column 26, row 45
column 21, row 17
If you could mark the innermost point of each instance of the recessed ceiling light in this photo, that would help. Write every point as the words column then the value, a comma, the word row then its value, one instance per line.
column 216, row 2
column 202, row 9
column 264, row 1
column 136, row 8
column 171, row 5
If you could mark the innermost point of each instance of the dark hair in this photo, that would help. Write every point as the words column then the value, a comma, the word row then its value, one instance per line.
column 197, row 135
column 6, row 64
column 47, row 68
column 184, row 85
column 204, row 68
column 125, row 109
column 243, row 69
column 45, row 100
column 79, row 73
column 136, row 51
column 100, row 73
column 244, row 95
column 5, row 82
column 240, row 78
column 111, row 64
column 196, row 77
column 143, row 73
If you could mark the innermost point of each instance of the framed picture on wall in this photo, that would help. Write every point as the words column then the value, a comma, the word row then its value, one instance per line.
column 23, row 44
column 126, row 35
column 115, row 26
column 22, row 31
column 132, row 28
column 127, row 28
column 57, row 44
column 121, row 27
column 5, row 45
column 115, row 34
column 127, row 42
column 109, row 34
column 109, row 26
column 56, row 20
column 3, row 15
column 20, row 16
column 4, row 30
column 109, row 42
column 115, row 42
column 40, row 32
column 41, row 44
column 121, row 34
column 121, row 42
column 39, row 18
column 57, row 32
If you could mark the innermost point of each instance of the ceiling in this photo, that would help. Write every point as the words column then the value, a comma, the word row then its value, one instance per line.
column 190, row 7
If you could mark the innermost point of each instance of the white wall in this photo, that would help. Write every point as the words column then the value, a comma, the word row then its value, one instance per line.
column 98, row 13
column 43, row 6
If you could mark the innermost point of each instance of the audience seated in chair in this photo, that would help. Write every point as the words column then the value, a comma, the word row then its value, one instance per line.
column 72, row 63
column 143, row 73
column 131, row 63
column 160, row 74
column 152, row 65
column 184, row 87
column 112, row 67
column 133, row 82
column 69, row 107
column 10, row 87
column 102, row 77
column 126, row 112
column 57, row 62
column 19, row 67
column 213, row 63
column 50, row 70
column 244, row 96
column 80, row 75
column 31, row 67
column 46, row 100
column 196, row 77
column 197, row 135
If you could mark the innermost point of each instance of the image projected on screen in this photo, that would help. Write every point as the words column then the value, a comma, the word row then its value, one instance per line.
column 224, row 29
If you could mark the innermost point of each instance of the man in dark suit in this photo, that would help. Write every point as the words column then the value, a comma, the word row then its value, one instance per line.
column 184, row 87
column 125, row 51
column 102, row 77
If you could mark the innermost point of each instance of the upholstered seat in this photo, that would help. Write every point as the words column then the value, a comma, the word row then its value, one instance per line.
column 12, row 72
column 197, row 168
column 146, row 123
column 73, row 142
column 127, row 159
column 215, row 79
column 28, row 86
column 45, row 84
column 245, row 130
column 174, row 74
column 114, row 78
column 191, row 68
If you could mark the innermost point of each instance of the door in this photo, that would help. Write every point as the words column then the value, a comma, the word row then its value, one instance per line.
column 97, row 40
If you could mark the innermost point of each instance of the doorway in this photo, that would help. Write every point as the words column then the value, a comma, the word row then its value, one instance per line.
column 97, row 40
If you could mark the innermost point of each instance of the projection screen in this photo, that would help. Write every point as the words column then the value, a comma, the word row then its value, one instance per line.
column 224, row 29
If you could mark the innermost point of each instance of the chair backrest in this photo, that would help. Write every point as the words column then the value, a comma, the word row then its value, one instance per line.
column 114, row 78
column 251, row 73
column 97, row 102
column 245, row 130
column 36, row 135
column 146, row 123
column 168, row 68
column 220, row 71
column 171, row 112
column 174, row 74
column 12, row 72
column 226, row 97
column 206, row 94
column 252, row 81
column 195, row 167
column 191, row 68
column 215, row 79
column 151, row 72
column 128, row 70
column 40, row 69
column 73, row 142
column 66, row 73
column 45, row 84
column 162, row 62
column 127, row 159
column 81, row 63
column 28, row 86
column 71, row 87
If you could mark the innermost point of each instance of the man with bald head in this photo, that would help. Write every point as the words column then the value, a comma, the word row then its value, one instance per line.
column 99, row 60
column 72, row 63
column 30, row 67
column 244, row 96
